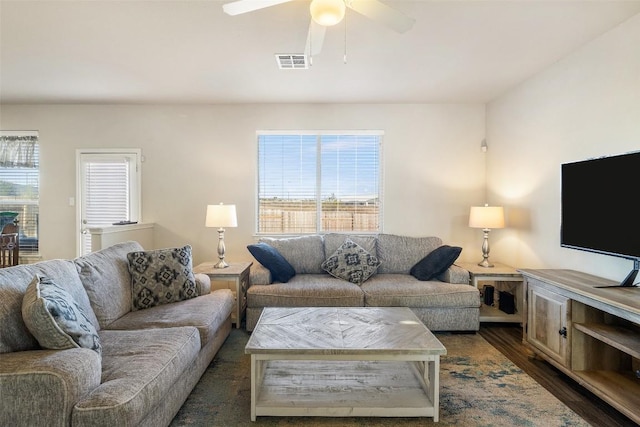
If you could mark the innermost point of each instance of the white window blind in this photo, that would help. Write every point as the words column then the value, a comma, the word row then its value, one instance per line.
column 311, row 183
column 107, row 198
column 20, row 185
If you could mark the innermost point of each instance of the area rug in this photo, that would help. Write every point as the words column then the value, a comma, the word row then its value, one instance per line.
column 479, row 387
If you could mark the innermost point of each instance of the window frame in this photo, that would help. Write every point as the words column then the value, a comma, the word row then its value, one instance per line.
column 26, row 251
column 319, row 134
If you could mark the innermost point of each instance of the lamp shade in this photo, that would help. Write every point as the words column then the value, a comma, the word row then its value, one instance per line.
column 486, row 217
column 327, row 12
column 221, row 216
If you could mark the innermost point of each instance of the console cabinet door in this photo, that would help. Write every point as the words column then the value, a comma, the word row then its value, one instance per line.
column 548, row 323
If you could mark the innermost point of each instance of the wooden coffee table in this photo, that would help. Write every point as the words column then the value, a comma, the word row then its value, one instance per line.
column 340, row 362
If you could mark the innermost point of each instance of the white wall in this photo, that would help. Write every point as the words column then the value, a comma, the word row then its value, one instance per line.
column 586, row 105
column 202, row 154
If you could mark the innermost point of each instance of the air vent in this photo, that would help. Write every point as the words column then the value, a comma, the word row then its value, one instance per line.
column 292, row 61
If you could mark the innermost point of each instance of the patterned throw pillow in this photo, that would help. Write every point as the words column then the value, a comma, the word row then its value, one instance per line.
column 55, row 319
column 351, row 262
column 161, row 276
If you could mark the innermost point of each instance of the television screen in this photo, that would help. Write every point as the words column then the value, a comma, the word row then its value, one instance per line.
column 597, row 205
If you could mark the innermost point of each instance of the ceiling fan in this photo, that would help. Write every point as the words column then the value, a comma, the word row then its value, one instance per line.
column 325, row 13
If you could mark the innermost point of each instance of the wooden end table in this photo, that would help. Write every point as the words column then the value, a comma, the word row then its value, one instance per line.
column 498, row 273
column 237, row 274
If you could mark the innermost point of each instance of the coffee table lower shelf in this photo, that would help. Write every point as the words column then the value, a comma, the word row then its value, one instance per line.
column 339, row 388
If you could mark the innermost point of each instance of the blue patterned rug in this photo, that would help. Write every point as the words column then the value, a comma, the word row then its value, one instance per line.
column 479, row 387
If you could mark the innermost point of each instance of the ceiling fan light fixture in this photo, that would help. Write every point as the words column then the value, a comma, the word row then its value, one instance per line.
column 327, row 12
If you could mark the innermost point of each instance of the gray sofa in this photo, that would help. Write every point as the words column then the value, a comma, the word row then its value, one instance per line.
column 447, row 303
column 151, row 358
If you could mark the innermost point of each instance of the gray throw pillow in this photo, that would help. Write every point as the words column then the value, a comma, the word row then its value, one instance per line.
column 351, row 262
column 304, row 253
column 55, row 319
column 161, row 276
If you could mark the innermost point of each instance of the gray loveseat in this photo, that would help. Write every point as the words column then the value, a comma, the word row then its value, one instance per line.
column 446, row 303
column 151, row 358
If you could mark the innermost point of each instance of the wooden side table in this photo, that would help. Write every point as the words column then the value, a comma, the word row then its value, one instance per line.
column 499, row 273
column 237, row 274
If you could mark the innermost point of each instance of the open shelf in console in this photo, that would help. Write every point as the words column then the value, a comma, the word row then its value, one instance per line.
column 623, row 338
column 606, row 356
column 620, row 389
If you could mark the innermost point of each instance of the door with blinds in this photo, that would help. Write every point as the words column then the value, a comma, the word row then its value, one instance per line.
column 108, row 190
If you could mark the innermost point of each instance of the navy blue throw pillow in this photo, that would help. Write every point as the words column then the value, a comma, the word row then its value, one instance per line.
column 268, row 256
column 436, row 262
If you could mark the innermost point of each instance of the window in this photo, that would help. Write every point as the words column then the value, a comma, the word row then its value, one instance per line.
column 315, row 183
column 20, row 185
column 108, row 190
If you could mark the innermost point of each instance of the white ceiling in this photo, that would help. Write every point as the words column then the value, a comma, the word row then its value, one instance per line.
column 189, row 51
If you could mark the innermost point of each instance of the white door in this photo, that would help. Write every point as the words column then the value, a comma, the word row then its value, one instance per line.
column 108, row 190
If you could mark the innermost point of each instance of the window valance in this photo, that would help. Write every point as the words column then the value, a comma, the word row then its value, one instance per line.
column 18, row 151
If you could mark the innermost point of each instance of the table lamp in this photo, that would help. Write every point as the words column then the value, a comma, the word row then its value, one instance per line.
column 486, row 217
column 221, row 216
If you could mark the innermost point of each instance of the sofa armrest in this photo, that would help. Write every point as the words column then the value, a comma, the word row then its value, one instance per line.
column 203, row 283
column 46, row 384
column 259, row 274
column 455, row 274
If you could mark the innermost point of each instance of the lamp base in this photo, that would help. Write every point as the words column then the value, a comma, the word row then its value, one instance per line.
column 221, row 264
column 221, row 250
column 485, row 250
column 485, row 263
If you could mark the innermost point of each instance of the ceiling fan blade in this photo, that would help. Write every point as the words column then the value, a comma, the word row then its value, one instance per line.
column 244, row 6
column 380, row 12
column 315, row 38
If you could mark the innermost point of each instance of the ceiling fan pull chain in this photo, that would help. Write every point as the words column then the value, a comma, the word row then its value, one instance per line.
column 310, row 47
column 345, row 39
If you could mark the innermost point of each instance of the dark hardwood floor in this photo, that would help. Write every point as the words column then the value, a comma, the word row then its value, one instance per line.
column 507, row 338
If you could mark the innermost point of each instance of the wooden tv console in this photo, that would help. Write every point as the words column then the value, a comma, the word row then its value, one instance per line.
column 591, row 334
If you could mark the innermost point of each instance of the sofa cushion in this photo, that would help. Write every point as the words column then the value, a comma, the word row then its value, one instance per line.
column 55, row 319
column 436, row 262
column 305, row 253
column 138, row 368
column 351, row 262
column 40, row 388
column 397, row 254
column 203, row 283
column 332, row 242
column 269, row 257
column 259, row 275
column 403, row 290
column 106, row 278
column 14, row 335
column 207, row 313
column 455, row 274
column 161, row 276
column 307, row 290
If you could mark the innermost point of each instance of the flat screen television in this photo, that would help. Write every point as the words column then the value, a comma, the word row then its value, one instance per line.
column 596, row 207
